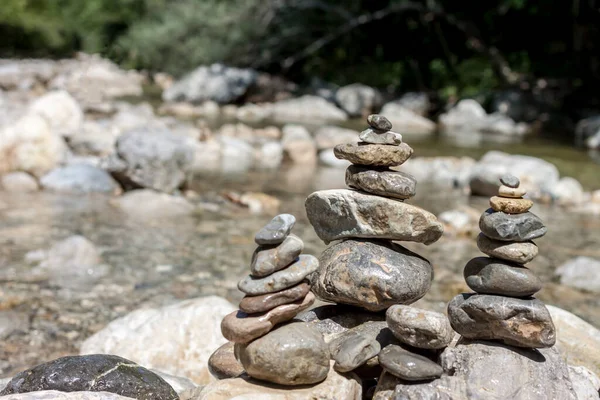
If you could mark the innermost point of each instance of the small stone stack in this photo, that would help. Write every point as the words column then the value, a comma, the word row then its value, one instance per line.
column 503, row 308
column 276, row 291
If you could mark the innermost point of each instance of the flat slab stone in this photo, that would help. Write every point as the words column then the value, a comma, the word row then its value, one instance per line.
column 516, row 322
column 373, row 154
column 268, row 259
column 240, row 327
column 371, row 136
column 408, row 366
column 341, row 214
column 222, row 364
column 494, row 276
column 354, row 352
column 282, row 279
column 510, row 205
column 518, row 252
column 379, row 122
column 276, row 230
column 382, row 182
column 419, row 328
column 371, row 274
column 511, row 227
column 266, row 302
column 515, row 193
column 294, row 354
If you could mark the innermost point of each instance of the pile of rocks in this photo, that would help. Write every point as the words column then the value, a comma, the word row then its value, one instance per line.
column 276, row 291
column 502, row 308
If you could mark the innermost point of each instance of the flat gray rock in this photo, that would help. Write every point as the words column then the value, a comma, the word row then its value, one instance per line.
column 373, row 154
column 283, row 279
column 371, row 274
column 408, row 366
column 266, row 302
column 294, row 354
column 510, row 181
column 419, row 328
column 379, row 122
column 519, row 252
column 511, row 227
column 371, row 136
column 516, row 322
column 341, row 214
column 354, row 352
column 268, row 259
column 276, row 230
column 382, row 182
column 494, row 276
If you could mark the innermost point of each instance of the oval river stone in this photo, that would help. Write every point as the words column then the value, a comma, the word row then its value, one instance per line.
column 382, row 182
column 519, row 252
column 511, row 227
column 373, row 154
column 495, row 276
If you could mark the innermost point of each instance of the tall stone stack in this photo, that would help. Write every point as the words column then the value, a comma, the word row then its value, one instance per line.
column 502, row 307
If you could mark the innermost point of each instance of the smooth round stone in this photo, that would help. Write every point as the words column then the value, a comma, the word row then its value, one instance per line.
column 511, row 227
column 371, row 136
column 269, row 259
column 510, row 180
column 419, row 328
column 373, row 154
column 266, row 302
column 516, row 322
column 379, row 122
column 294, row 354
column 371, row 274
column 240, row 327
column 355, row 351
column 495, row 276
column 510, row 206
column 515, row 193
column 382, row 182
column 222, row 364
column 276, row 230
column 519, row 252
column 408, row 366
column 282, row 279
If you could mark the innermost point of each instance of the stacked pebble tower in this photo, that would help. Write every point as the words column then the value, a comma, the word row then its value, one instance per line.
column 502, row 308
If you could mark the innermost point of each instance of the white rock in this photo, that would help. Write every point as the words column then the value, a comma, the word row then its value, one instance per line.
column 441, row 171
column 19, row 182
column 237, row 155
column 56, row 395
column 268, row 155
column 62, row 111
column 177, row 339
column 327, row 137
column 178, row 383
column 406, row 121
column 416, row 102
column 469, row 115
column 141, row 204
column 568, row 191
column 25, row 74
column 463, row 221
column 298, row 145
column 581, row 272
column 253, row 113
column 328, row 158
column 358, row 99
column 585, row 383
column 306, row 108
column 96, row 137
column 207, row 157
column 80, row 178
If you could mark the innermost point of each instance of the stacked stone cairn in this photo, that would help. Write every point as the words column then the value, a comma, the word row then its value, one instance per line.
column 276, row 291
column 365, row 272
column 502, row 307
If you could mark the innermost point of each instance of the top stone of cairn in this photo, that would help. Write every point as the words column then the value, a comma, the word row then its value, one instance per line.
column 276, row 231
column 379, row 122
column 510, row 180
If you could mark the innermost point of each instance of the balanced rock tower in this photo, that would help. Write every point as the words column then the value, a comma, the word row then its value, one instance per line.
column 502, row 307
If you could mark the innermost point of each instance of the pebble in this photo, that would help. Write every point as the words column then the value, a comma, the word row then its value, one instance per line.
column 373, row 154
column 371, row 136
column 510, row 206
column 240, row 327
column 511, row 227
column 516, row 322
column 383, row 182
column 266, row 302
column 276, row 230
column 419, row 328
column 294, row 354
column 408, row 366
column 510, row 180
column 354, row 352
column 518, row 252
column 222, row 364
column 268, row 259
column 342, row 213
column 515, row 193
column 371, row 274
column 379, row 122
column 495, row 276
column 282, row 279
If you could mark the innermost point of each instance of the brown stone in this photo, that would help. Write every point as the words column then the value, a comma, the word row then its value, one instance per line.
column 513, row 193
column 373, row 154
column 519, row 252
column 510, row 206
column 266, row 302
column 222, row 364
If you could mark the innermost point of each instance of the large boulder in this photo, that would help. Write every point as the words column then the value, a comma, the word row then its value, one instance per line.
column 581, row 273
column 585, row 383
column 358, row 99
column 306, row 108
column 80, row 178
column 407, row 121
column 216, row 82
column 57, row 395
column 177, row 339
column 62, row 111
column 469, row 116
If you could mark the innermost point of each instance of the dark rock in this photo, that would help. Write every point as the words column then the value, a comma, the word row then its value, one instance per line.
column 276, row 230
column 266, row 302
column 495, row 276
column 373, row 154
column 511, row 227
column 379, row 122
column 382, row 182
column 510, row 181
column 269, row 259
column 408, row 366
column 92, row 373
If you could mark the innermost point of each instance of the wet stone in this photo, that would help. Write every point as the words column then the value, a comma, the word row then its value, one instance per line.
column 518, row 252
column 511, row 227
column 510, row 206
column 419, row 328
column 266, row 302
column 222, row 364
column 382, row 182
column 354, row 352
column 282, row 279
column 269, row 259
column 371, row 136
column 495, row 276
column 379, row 122
column 516, row 322
column 373, row 154
column 408, row 366
column 515, row 193
column 276, row 230
column 510, row 180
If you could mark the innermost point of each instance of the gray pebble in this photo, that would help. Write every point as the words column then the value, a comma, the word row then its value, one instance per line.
column 511, row 227
column 276, row 231
column 354, row 352
column 268, row 259
column 379, row 122
column 510, row 180
column 282, row 279
column 408, row 366
column 374, row 137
